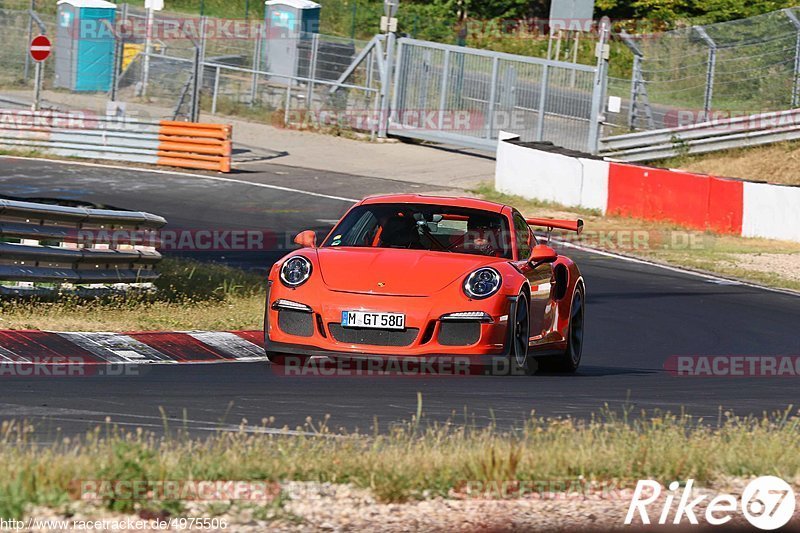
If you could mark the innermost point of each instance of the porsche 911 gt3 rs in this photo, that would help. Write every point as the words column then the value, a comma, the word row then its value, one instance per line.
column 423, row 276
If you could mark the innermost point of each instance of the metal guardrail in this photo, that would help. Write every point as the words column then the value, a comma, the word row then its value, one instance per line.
column 180, row 144
column 710, row 136
column 68, row 246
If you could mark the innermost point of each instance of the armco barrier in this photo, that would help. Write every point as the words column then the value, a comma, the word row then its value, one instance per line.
column 59, row 245
column 178, row 144
column 724, row 205
column 704, row 137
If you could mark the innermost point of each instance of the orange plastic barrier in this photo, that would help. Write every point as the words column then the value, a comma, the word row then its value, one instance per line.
column 195, row 145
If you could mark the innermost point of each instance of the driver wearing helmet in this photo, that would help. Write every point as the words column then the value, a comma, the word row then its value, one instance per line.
column 484, row 236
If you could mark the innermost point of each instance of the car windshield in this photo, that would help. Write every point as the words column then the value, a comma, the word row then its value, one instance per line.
column 424, row 227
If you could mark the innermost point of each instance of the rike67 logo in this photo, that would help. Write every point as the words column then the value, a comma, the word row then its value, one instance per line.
column 767, row 503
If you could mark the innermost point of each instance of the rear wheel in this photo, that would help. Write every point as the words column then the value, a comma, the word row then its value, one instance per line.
column 571, row 358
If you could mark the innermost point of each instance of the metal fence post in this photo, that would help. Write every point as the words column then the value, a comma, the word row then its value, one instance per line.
column 312, row 69
column 37, row 89
column 443, row 88
column 492, row 98
column 542, row 104
column 386, row 86
column 197, row 74
column 398, row 87
column 373, row 124
column 30, row 37
column 637, row 65
column 637, row 80
column 118, row 51
column 712, row 64
column 256, row 66
column 201, row 62
column 148, row 48
column 288, row 102
column 195, row 103
column 796, row 79
column 216, row 92
column 598, row 91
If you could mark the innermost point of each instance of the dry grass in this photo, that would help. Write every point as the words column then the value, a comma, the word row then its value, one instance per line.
column 411, row 461
column 764, row 261
column 190, row 296
column 774, row 163
column 231, row 313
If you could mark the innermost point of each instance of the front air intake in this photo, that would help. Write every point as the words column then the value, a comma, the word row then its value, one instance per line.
column 373, row 337
column 461, row 333
column 298, row 323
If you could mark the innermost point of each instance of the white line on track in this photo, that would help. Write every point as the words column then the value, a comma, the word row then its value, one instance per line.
column 194, row 425
column 191, row 175
column 64, row 414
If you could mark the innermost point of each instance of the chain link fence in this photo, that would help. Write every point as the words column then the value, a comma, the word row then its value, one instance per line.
column 696, row 73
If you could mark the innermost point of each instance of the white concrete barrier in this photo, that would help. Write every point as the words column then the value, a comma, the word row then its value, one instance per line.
column 771, row 211
column 551, row 176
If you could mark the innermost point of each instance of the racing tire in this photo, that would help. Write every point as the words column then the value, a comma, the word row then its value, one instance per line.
column 519, row 339
column 569, row 361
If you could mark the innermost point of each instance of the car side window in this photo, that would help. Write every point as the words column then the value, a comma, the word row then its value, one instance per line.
column 524, row 237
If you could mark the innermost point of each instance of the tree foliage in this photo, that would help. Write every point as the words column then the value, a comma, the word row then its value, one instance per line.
column 670, row 12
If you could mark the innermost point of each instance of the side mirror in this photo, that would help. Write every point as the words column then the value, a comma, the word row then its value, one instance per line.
column 543, row 254
column 306, row 239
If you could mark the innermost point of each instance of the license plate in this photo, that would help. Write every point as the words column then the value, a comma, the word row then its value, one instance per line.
column 362, row 319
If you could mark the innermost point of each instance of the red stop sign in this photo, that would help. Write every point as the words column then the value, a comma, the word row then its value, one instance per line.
column 40, row 48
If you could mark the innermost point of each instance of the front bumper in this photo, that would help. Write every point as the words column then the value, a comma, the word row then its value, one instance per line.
column 313, row 327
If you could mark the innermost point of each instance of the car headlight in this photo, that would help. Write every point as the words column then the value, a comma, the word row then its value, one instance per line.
column 482, row 283
column 295, row 271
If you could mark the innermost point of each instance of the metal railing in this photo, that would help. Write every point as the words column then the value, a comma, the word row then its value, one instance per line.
column 709, row 136
column 467, row 96
column 66, row 247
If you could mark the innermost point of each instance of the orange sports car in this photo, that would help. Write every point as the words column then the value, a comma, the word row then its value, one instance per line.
column 413, row 276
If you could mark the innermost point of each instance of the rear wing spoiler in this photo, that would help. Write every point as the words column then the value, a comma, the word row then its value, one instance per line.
column 551, row 223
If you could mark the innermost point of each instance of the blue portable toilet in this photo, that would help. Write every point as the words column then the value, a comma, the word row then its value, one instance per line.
column 288, row 23
column 85, row 45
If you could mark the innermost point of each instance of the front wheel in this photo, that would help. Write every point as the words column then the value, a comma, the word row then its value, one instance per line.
column 571, row 358
column 519, row 327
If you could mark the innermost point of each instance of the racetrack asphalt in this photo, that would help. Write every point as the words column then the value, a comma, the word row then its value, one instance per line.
column 638, row 315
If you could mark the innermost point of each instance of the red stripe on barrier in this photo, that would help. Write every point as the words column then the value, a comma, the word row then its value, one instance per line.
column 42, row 346
column 726, row 205
column 693, row 200
column 179, row 346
